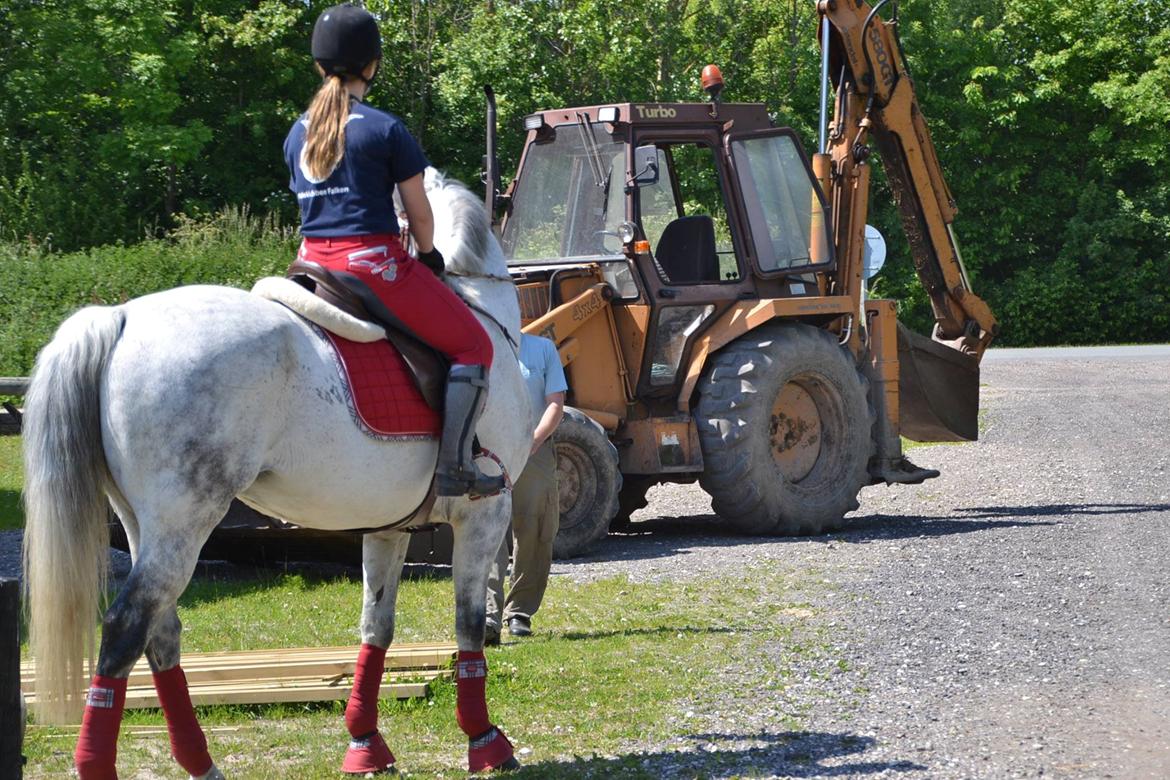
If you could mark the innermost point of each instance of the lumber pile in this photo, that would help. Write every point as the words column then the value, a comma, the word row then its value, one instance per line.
column 284, row 675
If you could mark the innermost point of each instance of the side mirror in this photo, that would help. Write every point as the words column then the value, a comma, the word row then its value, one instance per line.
column 645, row 166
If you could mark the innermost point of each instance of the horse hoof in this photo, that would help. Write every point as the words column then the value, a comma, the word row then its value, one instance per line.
column 491, row 751
column 212, row 774
column 368, row 756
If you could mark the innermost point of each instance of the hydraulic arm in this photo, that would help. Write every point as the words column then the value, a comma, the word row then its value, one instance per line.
column 875, row 96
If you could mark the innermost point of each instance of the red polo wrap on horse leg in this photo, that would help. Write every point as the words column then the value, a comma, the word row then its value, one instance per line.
column 491, row 751
column 470, row 701
column 361, row 714
column 188, row 743
column 97, row 745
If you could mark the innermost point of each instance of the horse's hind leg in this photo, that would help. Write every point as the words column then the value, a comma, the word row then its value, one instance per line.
column 477, row 538
column 188, row 743
column 149, row 592
column 382, row 557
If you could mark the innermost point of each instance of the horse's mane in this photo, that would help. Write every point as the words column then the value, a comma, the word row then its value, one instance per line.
column 463, row 233
column 468, row 243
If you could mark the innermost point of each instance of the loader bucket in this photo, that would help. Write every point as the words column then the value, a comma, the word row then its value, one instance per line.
column 938, row 388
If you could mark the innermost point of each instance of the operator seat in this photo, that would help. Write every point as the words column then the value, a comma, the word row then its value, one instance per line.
column 686, row 251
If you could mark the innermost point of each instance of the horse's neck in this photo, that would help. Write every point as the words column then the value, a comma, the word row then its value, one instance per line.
column 494, row 296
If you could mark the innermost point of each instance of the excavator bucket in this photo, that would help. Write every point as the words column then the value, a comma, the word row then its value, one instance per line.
column 938, row 389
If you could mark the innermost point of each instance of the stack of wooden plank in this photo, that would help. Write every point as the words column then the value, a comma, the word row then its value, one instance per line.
column 284, row 675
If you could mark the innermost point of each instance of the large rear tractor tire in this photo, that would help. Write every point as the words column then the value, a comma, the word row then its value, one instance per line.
column 589, row 481
column 784, row 423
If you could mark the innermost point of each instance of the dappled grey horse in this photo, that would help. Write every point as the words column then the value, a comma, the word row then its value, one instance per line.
column 169, row 406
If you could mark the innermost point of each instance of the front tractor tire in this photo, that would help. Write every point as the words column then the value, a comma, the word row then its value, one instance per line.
column 588, row 480
column 784, row 424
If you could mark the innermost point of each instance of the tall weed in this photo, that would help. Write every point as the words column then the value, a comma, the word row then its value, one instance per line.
column 39, row 288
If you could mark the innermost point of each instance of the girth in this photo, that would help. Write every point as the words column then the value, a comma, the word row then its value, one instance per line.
column 349, row 293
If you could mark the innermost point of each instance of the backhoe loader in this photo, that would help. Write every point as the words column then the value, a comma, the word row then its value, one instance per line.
column 704, row 281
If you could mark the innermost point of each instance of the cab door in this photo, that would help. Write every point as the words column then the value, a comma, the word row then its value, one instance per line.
column 694, row 270
column 787, row 221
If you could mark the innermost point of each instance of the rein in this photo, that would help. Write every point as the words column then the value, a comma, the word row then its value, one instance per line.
column 477, row 275
column 488, row 314
column 409, row 244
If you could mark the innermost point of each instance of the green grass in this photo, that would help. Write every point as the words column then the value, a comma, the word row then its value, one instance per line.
column 11, row 479
column 613, row 666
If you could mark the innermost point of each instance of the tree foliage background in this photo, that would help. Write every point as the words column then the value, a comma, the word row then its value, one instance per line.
column 119, row 119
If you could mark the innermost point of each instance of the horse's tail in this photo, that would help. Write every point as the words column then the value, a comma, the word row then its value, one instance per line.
column 65, row 534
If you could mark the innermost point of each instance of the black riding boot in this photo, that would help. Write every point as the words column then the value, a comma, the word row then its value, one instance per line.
column 456, row 473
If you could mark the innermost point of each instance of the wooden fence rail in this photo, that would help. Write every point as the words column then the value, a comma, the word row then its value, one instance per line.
column 13, row 385
column 9, row 414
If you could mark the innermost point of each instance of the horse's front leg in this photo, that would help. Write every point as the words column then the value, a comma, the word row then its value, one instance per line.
column 477, row 533
column 382, row 557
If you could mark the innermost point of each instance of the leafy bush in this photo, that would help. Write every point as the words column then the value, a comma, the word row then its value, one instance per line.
column 40, row 288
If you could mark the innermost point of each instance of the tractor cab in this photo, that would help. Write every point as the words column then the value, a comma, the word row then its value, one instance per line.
column 708, row 293
column 682, row 209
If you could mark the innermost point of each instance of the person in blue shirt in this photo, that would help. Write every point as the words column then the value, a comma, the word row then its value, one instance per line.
column 535, row 500
column 345, row 159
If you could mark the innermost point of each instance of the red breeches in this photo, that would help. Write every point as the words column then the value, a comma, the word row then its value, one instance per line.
column 410, row 290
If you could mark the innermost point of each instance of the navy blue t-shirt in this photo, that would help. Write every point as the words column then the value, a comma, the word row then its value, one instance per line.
column 357, row 198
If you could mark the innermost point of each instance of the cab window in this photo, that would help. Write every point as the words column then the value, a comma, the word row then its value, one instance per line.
column 784, row 209
column 684, row 217
column 570, row 198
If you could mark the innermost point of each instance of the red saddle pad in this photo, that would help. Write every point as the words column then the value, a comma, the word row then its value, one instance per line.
column 386, row 400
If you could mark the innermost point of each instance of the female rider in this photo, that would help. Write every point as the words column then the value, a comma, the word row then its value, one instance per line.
column 345, row 158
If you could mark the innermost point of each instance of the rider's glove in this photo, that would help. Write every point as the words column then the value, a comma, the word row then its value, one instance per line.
column 432, row 260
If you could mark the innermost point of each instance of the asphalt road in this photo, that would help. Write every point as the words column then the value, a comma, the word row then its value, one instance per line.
column 1008, row 619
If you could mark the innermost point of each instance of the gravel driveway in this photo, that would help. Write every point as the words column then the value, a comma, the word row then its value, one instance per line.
column 1008, row 619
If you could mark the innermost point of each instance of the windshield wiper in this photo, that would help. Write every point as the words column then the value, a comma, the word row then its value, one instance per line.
column 591, row 150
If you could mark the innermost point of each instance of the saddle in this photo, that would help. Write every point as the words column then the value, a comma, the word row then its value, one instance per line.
column 425, row 365
column 349, row 293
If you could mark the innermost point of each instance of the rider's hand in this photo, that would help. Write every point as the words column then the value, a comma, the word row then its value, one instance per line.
column 432, row 260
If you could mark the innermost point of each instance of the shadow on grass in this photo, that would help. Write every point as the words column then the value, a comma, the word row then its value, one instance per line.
column 679, row 536
column 214, row 580
column 788, row 754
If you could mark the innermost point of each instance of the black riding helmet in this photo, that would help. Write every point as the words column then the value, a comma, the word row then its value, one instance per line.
column 346, row 40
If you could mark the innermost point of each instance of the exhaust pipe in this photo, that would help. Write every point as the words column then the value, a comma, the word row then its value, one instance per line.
column 491, row 163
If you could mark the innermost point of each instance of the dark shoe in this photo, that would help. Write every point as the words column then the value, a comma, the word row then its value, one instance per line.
column 456, row 473
column 491, row 634
column 519, row 626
